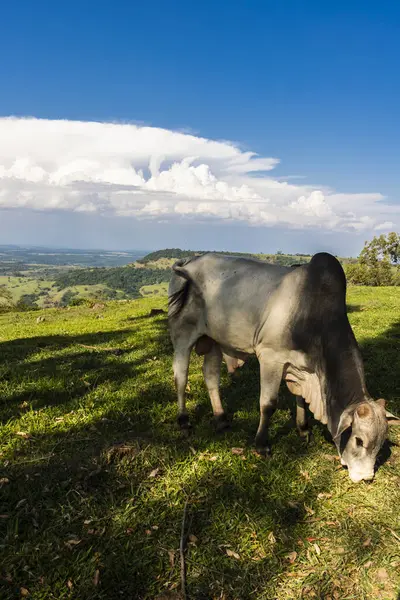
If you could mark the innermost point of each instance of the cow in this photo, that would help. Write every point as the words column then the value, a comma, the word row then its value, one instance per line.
column 295, row 321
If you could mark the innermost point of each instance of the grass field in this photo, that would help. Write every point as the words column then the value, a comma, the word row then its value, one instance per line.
column 19, row 286
column 94, row 473
column 82, row 291
column 161, row 263
column 157, row 289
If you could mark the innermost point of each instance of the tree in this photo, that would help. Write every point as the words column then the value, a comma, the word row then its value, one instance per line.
column 381, row 248
column 379, row 262
column 6, row 300
column 393, row 247
column 27, row 302
column 67, row 297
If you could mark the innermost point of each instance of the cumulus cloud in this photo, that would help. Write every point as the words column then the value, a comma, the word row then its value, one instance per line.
column 386, row 226
column 153, row 173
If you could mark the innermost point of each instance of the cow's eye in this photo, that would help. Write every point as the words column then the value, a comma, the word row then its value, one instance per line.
column 359, row 442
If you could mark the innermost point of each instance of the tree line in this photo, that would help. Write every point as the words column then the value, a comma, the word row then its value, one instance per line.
column 178, row 253
column 126, row 279
column 378, row 263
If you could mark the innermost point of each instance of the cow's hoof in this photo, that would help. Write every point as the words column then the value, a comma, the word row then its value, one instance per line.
column 184, row 424
column 264, row 451
column 221, row 423
column 306, row 436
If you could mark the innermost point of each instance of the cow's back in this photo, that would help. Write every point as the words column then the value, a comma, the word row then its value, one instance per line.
column 235, row 292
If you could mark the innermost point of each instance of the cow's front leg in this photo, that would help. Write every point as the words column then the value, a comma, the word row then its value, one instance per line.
column 270, row 377
column 212, row 374
column 302, row 423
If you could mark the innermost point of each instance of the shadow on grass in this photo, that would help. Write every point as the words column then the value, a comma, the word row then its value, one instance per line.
column 85, row 502
column 351, row 308
column 57, row 370
column 382, row 364
column 69, row 475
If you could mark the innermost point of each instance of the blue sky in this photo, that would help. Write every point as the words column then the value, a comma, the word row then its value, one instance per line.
column 313, row 84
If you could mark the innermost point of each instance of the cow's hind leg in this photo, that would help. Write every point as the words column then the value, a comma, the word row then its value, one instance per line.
column 270, row 375
column 302, row 423
column 212, row 373
column 181, row 368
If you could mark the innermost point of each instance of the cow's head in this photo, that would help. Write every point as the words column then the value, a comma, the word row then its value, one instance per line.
column 361, row 433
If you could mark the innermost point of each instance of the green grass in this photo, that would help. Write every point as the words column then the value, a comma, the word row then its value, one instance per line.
column 94, row 473
column 160, row 263
column 81, row 291
column 18, row 286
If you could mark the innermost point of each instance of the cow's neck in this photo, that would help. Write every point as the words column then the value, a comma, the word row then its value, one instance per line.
column 341, row 374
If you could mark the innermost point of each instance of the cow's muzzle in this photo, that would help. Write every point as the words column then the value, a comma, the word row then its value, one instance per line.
column 357, row 477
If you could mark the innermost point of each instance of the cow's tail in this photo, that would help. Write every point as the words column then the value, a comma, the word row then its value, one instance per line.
column 179, row 286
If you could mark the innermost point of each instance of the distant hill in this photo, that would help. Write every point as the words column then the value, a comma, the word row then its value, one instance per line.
column 165, row 258
column 167, row 253
column 30, row 257
column 127, row 279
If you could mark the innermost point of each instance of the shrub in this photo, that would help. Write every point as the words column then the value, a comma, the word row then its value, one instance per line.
column 381, row 273
column 396, row 276
column 82, row 302
column 6, row 301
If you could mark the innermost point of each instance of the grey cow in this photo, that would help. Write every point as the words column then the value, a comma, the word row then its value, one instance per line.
column 295, row 322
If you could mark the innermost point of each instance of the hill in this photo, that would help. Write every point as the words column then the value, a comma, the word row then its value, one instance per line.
column 128, row 279
column 172, row 254
column 94, row 473
column 45, row 277
column 31, row 257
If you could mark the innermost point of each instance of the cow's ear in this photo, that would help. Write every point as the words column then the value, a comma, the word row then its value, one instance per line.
column 362, row 411
column 381, row 402
column 346, row 421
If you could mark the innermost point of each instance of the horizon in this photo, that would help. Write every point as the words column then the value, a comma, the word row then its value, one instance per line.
column 145, row 252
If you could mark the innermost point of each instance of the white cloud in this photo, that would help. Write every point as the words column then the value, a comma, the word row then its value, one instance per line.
column 313, row 205
column 152, row 173
column 386, row 226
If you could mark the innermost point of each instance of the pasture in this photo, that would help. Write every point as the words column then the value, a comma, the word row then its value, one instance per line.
column 19, row 286
column 46, row 291
column 94, row 473
column 157, row 289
